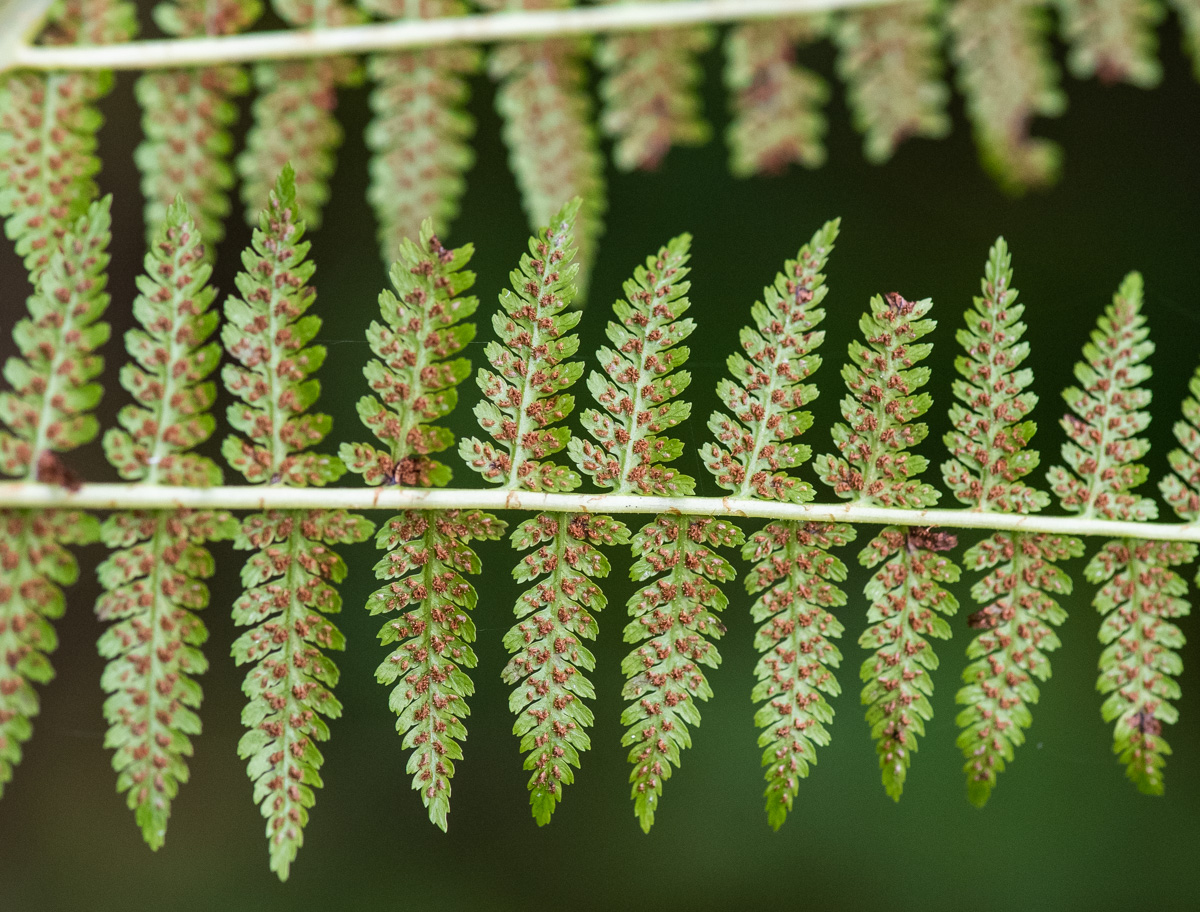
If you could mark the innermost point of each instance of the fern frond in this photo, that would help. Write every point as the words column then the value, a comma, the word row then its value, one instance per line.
column 293, row 122
column 153, row 580
column 777, row 106
column 798, row 577
column 552, row 146
column 288, row 580
column 420, row 129
column 414, row 381
column 767, row 394
column 1106, row 414
column 48, row 411
column 990, row 456
column 1182, row 488
column 1141, row 590
column 1112, row 40
column 888, row 57
column 649, row 93
column 1138, row 666
column 751, row 457
column 48, row 126
column 186, row 116
column 524, row 399
column 1008, row 77
column 874, row 466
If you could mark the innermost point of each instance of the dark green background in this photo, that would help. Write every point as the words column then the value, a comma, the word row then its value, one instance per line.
column 1064, row 830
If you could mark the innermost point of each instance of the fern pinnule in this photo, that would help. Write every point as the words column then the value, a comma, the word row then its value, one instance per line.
column 524, row 399
column 1008, row 77
column 153, row 579
column 874, row 466
column 649, row 93
column 888, row 57
column 1181, row 488
column 753, row 452
column 420, row 129
column 289, row 579
column 1141, row 591
column 1112, row 40
column 414, row 380
column 1188, row 13
column 990, row 454
column 552, row 145
column 47, row 412
column 186, row 116
column 777, row 105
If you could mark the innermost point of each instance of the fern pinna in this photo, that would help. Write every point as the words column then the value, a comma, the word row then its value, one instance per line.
column 419, row 133
column 524, row 399
column 990, row 457
column 47, row 412
column 1140, row 592
column 674, row 618
column 289, row 579
column 750, row 457
column 413, row 380
column 873, row 466
column 153, row 579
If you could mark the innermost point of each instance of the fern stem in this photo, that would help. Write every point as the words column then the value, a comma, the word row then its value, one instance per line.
column 28, row 495
column 410, row 33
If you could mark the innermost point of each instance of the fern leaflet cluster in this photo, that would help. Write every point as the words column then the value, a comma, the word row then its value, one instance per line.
column 289, row 579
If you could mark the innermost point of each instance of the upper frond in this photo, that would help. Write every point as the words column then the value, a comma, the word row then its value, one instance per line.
column 268, row 335
column 767, row 395
column 642, row 382
column 874, row 465
column 888, row 57
column 525, row 396
column 989, row 444
column 649, row 92
column 414, row 376
column 1008, row 77
column 1112, row 39
column 776, row 104
column 1182, row 487
column 1106, row 414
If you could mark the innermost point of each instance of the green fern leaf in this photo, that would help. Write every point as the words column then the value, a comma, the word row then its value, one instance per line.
column 776, row 105
column 47, row 412
column 1008, row 76
column 1112, row 40
column 1182, row 488
column 289, row 579
column 888, row 57
column 991, row 456
column 649, row 93
column 414, row 382
column 153, row 580
column 875, row 467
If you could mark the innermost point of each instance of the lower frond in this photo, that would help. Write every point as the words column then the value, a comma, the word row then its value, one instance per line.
column 427, row 602
column 904, row 594
column 794, row 673
column 34, row 564
column 153, row 588
column 288, row 593
column 676, row 617
column 1139, row 663
column 549, row 658
column 1018, row 618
